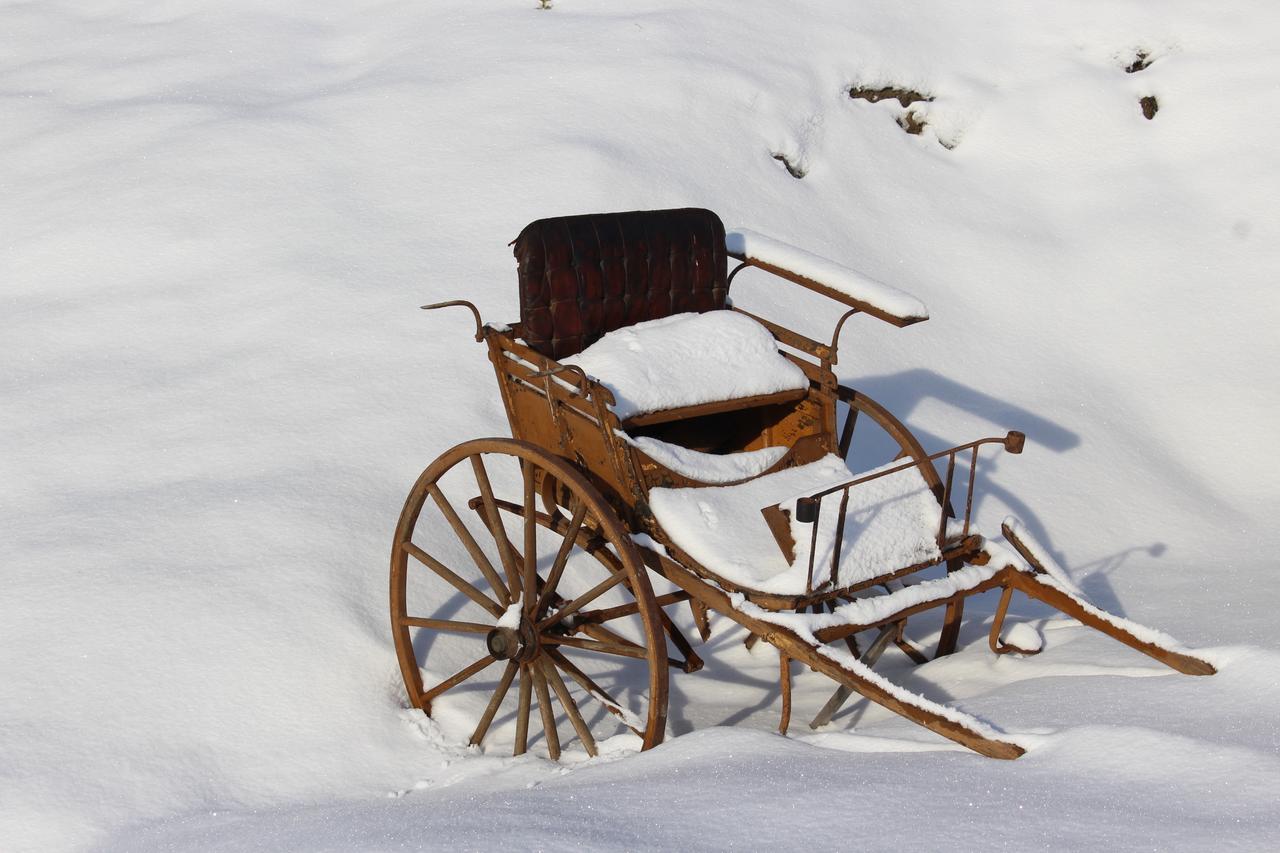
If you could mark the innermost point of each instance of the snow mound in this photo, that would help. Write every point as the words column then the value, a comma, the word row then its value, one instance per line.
column 746, row 244
column 687, row 359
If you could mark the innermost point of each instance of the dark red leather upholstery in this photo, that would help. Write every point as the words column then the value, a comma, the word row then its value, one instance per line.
column 583, row 276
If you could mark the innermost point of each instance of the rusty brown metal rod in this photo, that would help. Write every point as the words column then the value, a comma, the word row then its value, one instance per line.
column 1013, row 442
column 461, row 303
column 946, row 496
column 583, row 379
column 813, row 539
column 809, row 508
column 835, row 335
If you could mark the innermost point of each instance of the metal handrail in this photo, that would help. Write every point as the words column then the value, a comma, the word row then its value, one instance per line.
column 809, row 507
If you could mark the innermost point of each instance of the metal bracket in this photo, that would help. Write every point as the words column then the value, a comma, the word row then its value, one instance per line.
column 564, row 368
column 835, row 336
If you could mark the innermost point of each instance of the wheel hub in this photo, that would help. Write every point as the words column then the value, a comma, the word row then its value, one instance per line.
column 514, row 644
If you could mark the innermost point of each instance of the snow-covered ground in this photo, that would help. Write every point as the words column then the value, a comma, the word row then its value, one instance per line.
column 218, row 219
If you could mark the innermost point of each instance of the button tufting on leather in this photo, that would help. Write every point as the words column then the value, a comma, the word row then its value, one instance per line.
column 583, row 276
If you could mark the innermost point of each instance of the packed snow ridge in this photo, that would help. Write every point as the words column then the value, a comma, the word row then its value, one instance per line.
column 746, row 244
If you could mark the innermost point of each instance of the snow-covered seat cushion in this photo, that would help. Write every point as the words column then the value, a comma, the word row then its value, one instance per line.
column 890, row 524
column 688, row 360
column 707, row 467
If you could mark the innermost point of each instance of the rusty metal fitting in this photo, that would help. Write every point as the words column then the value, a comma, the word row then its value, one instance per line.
column 1015, row 441
column 807, row 510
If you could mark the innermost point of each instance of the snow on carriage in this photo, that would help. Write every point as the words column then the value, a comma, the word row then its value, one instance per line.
column 670, row 449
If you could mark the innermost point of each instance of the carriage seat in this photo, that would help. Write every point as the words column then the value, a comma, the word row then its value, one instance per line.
column 638, row 301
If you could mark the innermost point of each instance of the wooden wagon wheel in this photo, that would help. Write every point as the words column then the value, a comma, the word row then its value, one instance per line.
column 556, row 603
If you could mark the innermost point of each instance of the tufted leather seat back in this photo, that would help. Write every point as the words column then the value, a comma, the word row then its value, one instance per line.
column 583, row 276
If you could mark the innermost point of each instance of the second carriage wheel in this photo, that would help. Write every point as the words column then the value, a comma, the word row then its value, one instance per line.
column 892, row 443
column 501, row 602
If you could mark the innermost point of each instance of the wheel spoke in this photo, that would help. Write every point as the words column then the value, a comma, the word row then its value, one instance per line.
column 610, row 613
column 570, row 707
column 495, row 702
column 627, row 651
column 846, row 432
column 469, row 541
column 495, row 526
column 595, row 691
column 604, row 635
column 460, row 584
column 446, row 625
column 692, row 661
column 458, row 677
column 562, row 557
column 548, row 712
column 584, row 599
column 522, row 715
column 530, row 541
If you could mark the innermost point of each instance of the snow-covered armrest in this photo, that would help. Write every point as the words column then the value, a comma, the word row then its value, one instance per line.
column 826, row 277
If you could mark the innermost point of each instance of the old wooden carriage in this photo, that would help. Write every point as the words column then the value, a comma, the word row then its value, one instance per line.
column 669, row 450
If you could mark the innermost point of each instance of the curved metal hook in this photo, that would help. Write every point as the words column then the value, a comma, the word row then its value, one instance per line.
column 465, row 304
column 739, row 268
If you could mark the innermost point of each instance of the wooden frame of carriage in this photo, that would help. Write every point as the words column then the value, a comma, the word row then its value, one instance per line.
column 538, row 567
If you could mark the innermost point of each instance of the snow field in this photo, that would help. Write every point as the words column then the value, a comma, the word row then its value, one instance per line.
column 215, row 389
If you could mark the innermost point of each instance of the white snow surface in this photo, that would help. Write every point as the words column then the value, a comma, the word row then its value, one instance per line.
column 687, row 359
column 889, row 523
column 744, row 243
column 707, row 467
column 1023, row 636
column 216, row 389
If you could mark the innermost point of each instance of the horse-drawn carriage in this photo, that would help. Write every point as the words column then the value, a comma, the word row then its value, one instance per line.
column 672, row 450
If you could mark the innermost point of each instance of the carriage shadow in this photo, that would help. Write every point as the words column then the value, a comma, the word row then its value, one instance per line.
column 907, row 392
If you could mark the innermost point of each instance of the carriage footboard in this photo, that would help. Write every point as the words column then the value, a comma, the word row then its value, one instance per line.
column 807, row 509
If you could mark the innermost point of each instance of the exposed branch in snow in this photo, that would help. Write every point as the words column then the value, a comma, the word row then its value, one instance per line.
column 906, row 97
column 1140, row 63
column 913, row 121
column 794, row 169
